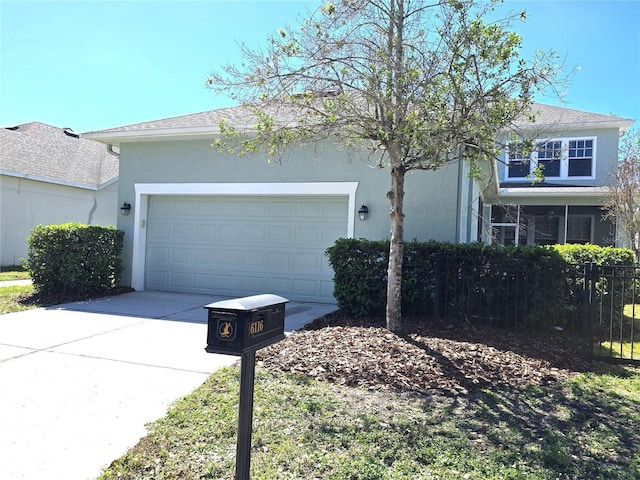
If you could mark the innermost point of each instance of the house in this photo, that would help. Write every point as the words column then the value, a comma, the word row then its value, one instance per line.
column 50, row 175
column 208, row 222
column 576, row 151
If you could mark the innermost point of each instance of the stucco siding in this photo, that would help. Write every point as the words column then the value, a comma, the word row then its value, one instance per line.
column 431, row 202
column 26, row 203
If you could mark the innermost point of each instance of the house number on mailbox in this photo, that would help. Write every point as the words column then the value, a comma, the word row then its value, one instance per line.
column 256, row 327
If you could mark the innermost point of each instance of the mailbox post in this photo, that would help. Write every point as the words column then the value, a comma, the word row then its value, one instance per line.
column 241, row 327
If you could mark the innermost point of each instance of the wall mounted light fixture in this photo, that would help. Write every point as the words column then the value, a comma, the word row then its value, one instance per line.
column 125, row 208
column 363, row 212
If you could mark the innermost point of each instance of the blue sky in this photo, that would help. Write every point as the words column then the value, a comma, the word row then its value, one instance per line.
column 90, row 65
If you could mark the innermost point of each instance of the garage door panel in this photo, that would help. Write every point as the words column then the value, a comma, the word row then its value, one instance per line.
column 205, row 257
column 204, row 281
column 281, row 208
column 159, row 231
column 255, row 234
column 245, row 245
column 308, row 235
column 326, row 289
column 279, row 260
column 157, row 255
column 279, row 286
column 249, row 284
column 306, row 261
column 226, row 282
column 229, row 257
column 162, row 207
column 201, row 209
column 330, row 234
column 303, row 287
column 182, row 255
column 281, row 234
column 255, row 259
column 157, row 279
column 334, row 210
column 205, row 233
column 255, row 208
column 181, row 280
column 229, row 234
column 309, row 209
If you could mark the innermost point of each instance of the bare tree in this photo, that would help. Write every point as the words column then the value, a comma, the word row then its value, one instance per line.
column 623, row 202
column 420, row 83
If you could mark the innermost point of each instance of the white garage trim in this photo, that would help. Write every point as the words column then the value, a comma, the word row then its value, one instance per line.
column 144, row 190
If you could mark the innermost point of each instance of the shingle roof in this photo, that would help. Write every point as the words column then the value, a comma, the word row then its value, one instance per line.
column 552, row 117
column 203, row 123
column 43, row 152
column 211, row 118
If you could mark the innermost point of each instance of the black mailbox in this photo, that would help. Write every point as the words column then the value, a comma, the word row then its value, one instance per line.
column 245, row 324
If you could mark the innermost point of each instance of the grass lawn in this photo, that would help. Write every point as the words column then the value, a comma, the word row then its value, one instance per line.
column 625, row 349
column 8, row 295
column 13, row 273
column 585, row 428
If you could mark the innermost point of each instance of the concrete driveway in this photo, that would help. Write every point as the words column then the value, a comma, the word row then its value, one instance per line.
column 78, row 382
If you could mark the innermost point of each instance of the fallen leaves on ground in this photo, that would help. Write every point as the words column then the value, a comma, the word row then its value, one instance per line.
column 422, row 358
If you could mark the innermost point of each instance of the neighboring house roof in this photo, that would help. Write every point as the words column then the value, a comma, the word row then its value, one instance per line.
column 56, row 155
column 205, row 124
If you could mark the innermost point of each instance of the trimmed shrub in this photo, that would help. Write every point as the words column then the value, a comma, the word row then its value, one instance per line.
column 581, row 254
column 360, row 275
column 533, row 288
column 74, row 258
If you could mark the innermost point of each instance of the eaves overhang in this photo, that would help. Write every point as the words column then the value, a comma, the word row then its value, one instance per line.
column 54, row 181
column 506, row 194
column 621, row 125
column 161, row 134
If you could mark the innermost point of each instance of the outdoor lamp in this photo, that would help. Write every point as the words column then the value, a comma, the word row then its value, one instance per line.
column 363, row 212
column 125, row 208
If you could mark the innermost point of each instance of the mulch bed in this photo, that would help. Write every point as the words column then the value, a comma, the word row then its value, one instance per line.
column 49, row 299
column 423, row 358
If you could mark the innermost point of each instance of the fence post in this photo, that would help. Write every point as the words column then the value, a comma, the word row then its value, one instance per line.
column 591, row 275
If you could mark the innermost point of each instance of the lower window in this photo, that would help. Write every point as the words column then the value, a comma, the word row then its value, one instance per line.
column 579, row 230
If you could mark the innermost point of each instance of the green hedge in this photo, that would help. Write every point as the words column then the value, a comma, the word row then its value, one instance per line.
column 74, row 258
column 537, row 285
column 581, row 254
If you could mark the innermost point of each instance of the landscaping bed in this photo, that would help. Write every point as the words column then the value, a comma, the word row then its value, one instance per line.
column 423, row 358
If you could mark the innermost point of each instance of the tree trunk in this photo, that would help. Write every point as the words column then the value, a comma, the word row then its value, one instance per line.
column 394, row 272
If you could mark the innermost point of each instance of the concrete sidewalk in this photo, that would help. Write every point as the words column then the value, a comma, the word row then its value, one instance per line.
column 78, row 382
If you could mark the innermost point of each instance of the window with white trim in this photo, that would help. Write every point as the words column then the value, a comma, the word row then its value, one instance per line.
column 564, row 158
column 580, row 158
column 517, row 165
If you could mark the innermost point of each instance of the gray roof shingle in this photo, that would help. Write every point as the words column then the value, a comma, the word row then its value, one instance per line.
column 211, row 118
column 47, row 153
column 553, row 117
column 203, row 123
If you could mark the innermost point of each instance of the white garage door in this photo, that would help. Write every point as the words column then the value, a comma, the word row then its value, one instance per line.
column 241, row 246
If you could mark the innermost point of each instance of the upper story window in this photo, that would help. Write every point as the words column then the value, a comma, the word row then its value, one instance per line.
column 557, row 158
column 580, row 158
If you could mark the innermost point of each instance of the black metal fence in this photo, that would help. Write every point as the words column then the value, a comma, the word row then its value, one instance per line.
column 612, row 311
column 599, row 304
